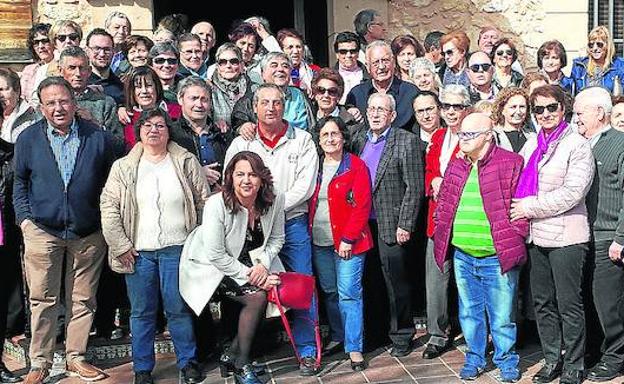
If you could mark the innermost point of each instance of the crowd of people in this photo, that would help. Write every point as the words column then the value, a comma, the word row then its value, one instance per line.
column 143, row 178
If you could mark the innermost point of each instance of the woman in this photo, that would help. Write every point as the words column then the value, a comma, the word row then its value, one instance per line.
column 512, row 123
column 245, row 37
column 327, row 89
column 164, row 59
column 455, row 47
column 601, row 66
column 163, row 35
column 151, row 202
column 503, row 55
column 339, row 211
column 42, row 51
column 229, row 84
column 551, row 58
column 423, row 74
column 235, row 253
column 551, row 194
column 405, row 49
column 136, row 48
column 302, row 72
column 143, row 91
column 18, row 114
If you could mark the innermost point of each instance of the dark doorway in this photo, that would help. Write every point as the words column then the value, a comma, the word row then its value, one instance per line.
column 281, row 14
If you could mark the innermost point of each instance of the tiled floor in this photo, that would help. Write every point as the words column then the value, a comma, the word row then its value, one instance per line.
column 382, row 369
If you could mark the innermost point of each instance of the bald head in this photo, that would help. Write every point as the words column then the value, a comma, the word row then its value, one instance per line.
column 476, row 122
column 475, row 135
column 480, row 71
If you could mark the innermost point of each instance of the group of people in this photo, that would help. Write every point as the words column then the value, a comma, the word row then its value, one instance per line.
column 154, row 171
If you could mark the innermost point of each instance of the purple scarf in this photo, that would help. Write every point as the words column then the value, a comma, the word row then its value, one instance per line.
column 528, row 183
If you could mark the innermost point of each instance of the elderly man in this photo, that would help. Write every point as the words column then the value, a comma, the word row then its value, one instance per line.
column 592, row 107
column 61, row 165
column 369, row 27
column 118, row 25
column 100, row 50
column 381, row 66
column 191, row 56
column 396, row 169
column 480, row 72
column 208, row 37
column 291, row 156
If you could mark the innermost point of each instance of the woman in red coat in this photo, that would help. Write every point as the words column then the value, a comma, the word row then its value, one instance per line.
column 339, row 212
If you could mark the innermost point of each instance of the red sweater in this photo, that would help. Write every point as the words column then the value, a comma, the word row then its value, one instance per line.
column 174, row 110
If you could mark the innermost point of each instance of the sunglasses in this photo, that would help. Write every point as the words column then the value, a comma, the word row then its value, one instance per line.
column 41, row 41
column 72, row 36
column 457, row 107
column 448, row 52
column 163, row 60
column 469, row 135
column 598, row 44
column 480, row 67
column 539, row 109
column 502, row 52
column 345, row 51
column 233, row 61
column 333, row 92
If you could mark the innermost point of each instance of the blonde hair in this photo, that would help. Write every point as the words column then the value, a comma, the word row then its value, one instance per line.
column 601, row 33
column 62, row 24
column 484, row 106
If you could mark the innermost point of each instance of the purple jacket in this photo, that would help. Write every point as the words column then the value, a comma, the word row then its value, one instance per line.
column 499, row 171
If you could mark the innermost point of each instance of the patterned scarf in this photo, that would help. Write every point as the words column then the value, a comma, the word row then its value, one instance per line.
column 225, row 94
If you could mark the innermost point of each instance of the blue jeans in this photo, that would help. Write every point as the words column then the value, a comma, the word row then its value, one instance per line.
column 341, row 281
column 296, row 255
column 482, row 291
column 154, row 270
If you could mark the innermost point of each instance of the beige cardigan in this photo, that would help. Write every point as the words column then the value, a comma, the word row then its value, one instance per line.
column 212, row 250
column 118, row 202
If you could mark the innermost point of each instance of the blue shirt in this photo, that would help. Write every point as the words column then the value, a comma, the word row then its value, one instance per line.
column 371, row 155
column 65, row 149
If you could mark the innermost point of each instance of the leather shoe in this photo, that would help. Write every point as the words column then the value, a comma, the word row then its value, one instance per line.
column 547, row 373
column 572, row 376
column 37, row 375
column 602, row 372
column 7, row 376
column 358, row 366
column 400, row 350
column 191, row 374
column 84, row 370
column 432, row 351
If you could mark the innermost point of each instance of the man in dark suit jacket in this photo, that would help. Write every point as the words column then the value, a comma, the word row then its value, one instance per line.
column 395, row 162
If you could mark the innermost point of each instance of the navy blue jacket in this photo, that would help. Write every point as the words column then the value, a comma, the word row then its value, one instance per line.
column 403, row 92
column 607, row 81
column 39, row 193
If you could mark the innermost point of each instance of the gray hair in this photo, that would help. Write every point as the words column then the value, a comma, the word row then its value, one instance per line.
column 115, row 15
column 72, row 51
column 421, row 63
column 266, row 59
column 378, row 43
column 160, row 48
column 457, row 90
column 363, row 19
column 228, row 46
column 386, row 96
column 192, row 81
column 268, row 86
column 596, row 96
column 52, row 81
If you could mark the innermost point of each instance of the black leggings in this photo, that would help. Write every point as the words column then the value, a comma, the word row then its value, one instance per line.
column 251, row 314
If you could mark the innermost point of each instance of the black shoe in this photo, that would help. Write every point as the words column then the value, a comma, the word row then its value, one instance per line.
column 547, row 373
column 308, row 367
column 602, row 372
column 432, row 351
column 332, row 347
column 246, row 375
column 226, row 366
column 358, row 366
column 191, row 374
column 572, row 376
column 400, row 350
column 7, row 376
column 143, row 377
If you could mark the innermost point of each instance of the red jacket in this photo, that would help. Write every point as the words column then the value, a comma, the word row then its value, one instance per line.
column 432, row 170
column 349, row 199
column 174, row 110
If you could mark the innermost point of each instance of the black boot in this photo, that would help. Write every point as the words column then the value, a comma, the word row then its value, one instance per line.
column 246, row 375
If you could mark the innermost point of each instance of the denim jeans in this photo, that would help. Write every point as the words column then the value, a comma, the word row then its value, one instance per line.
column 485, row 293
column 154, row 270
column 341, row 281
column 296, row 255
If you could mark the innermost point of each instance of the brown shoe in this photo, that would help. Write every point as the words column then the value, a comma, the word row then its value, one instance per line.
column 37, row 376
column 84, row 370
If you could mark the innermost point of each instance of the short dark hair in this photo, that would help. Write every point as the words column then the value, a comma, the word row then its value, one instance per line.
column 266, row 195
column 148, row 114
column 430, row 94
column 98, row 32
column 432, row 40
column 342, row 126
column 241, row 30
column 183, row 38
column 401, row 41
column 12, row 79
column 553, row 91
column 346, row 37
column 134, row 40
column 39, row 28
column 177, row 23
column 552, row 46
column 363, row 19
column 129, row 84
column 511, row 45
column 328, row 74
column 288, row 32
column 55, row 80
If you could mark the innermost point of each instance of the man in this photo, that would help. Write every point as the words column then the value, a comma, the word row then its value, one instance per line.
column 433, row 49
column 592, row 107
column 480, row 72
column 346, row 47
column 617, row 114
column 488, row 248
column 208, row 37
column 118, row 25
column 427, row 112
column 381, row 66
column 396, row 167
column 165, row 61
column 191, row 56
column 100, row 51
column 291, row 156
column 369, row 26
column 61, row 165
column 489, row 36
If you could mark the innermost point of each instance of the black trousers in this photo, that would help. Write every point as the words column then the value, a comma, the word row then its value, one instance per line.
column 111, row 294
column 12, row 315
column 556, row 284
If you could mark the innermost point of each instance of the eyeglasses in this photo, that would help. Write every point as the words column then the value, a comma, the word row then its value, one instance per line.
column 149, row 126
column 448, row 52
column 598, row 44
column 377, row 110
column 539, row 109
column 43, row 41
column 72, row 36
column 345, row 51
column 233, row 61
column 456, row 107
column 104, row 50
column 333, row 92
column 464, row 135
column 377, row 63
column 502, row 52
column 163, row 60
column 428, row 111
column 480, row 67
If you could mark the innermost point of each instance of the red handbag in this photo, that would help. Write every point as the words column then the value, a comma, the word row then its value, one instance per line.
column 296, row 291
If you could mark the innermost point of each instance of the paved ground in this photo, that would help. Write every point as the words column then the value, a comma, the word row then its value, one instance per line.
column 282, row 369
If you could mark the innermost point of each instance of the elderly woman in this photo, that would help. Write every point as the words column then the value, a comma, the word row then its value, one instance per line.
column 136, row 49
column 42, row 51
column 229, row 83
column 143, row 91
column 503, row 55
column 235, row 253
column 455, row 47
column 164, row 59
column 327, row 88
column 302, row 72
column 551, row 58
column 559, row 167
column 423, row 74
column 247, row 40
column 512, row 123
column 406, row 49
column 602, row 66
column 151, row 202
column 18, row 114
column 339, row 211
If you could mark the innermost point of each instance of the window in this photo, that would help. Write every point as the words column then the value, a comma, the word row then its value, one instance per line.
column 611, row 14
